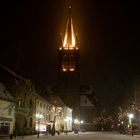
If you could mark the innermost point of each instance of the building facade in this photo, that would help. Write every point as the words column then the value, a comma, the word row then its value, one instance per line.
column 25, row 100
column 7, row 112
column 43, row 115
column 62, row 114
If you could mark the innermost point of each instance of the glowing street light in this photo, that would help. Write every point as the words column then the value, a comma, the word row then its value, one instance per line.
column 76, row 121
column 131, row 116
column 81, row 122
column 67, row 119
column 39, row 116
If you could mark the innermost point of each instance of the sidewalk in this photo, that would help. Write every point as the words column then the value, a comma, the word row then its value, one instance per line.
column 138, row 136
column 25, row 137
column 35, row 136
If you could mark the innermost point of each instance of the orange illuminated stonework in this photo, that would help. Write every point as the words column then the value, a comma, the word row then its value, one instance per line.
column 69, row 49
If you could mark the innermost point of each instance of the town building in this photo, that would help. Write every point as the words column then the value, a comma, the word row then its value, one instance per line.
column 7, row 111
column 25, row 100
column 43, row 115
column 62, row 114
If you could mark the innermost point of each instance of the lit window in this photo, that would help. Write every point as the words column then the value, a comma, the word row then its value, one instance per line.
column 64, row 68
column 72, row 68
column 19, row 103
column 44, row 106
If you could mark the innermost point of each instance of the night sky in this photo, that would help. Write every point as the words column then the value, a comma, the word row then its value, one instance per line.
column 109, row 42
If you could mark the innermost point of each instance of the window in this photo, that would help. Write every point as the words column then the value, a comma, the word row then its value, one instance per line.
column 9, row 111
column 85, row 101
column 46, row 106
column 30, row 103
column 31, row 122
column 19, row 103
column 49, row 117
column 25, row 122
column 60, row 114
column 37, row 103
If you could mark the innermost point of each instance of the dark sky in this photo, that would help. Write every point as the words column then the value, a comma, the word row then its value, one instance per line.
column 108, row 34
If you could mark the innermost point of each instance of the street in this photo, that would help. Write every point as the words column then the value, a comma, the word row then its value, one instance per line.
column 84, row 136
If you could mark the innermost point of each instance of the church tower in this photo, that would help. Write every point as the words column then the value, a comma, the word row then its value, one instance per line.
column 69, row 57
column 68, row 87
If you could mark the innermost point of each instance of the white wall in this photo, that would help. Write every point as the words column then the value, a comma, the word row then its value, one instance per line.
column 7, row 111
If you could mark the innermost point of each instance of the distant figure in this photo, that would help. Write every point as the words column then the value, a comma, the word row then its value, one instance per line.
column 102, row 129
column 58, row 133
column 11, row 136
column 52, row 133
column 132, row 131
column 15, row 135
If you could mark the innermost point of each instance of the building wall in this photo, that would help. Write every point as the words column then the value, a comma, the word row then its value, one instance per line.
column 67, row 119
column 50, row 114
column 25, row 100
column 7, row 111
column 25, row 97
column 137, row 108
column 43, row 109
column 59, row 118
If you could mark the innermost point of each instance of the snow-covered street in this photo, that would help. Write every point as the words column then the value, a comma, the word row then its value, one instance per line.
column 83, row 136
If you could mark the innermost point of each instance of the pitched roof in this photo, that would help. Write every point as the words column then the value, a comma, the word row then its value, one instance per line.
column 56, row 100
column 12, row 73
column 5, row 94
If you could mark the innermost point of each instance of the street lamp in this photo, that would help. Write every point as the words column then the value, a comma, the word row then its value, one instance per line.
column 76, row 121
column 39, row 116
column 131, row 116
column 81, row 122
column 66, row 120
column 76, row 125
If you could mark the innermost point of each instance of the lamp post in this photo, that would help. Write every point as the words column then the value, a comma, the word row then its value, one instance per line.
column 81, row 122
column 131, row 116
column 54, row 121
column 39, row 116
column 66, row 120
column 76, row 125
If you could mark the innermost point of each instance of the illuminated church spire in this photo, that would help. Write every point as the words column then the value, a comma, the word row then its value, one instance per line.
column 68, row 48
column 69, row 42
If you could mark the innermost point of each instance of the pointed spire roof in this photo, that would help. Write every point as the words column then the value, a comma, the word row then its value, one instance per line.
column 69, row 38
